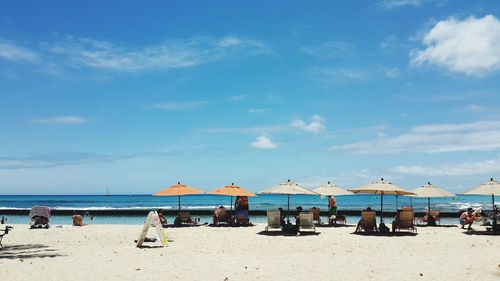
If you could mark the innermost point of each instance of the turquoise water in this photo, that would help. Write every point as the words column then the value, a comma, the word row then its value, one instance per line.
column 262, row 202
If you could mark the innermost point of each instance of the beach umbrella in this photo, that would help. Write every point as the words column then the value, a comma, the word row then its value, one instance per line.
column 383, row 188
column 330, row 190
column 288, row 188
column 492, row 188
column 178, row 190
column 429, row 191
column 231, row 190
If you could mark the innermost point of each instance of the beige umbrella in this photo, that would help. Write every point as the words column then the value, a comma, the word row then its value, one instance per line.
column 429, row 191
column 492, row 188
column 288, row 188
column 330, row 190
column 383, row 188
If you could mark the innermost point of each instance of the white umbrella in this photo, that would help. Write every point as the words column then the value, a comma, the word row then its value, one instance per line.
column 330, row 190
column 288, row 188
column 429, row 191
column 492, row 188
column 383, row 188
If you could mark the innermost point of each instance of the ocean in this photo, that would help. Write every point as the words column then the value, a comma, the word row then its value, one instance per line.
column 207, row 202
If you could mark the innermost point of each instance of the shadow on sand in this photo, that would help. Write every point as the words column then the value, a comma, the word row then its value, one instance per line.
column 27, row 251
column 481, row 232
column 287, row 233
column 334, row 225
column 385, row 234
column 231, row 225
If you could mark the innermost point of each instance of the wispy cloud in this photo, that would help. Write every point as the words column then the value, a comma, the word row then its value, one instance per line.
column 61, row 120
column 172, row 54
column 477, row 136
column 14, row 52
column 263, row 142
column 330, row 49
column 458, row 169
column 247, row 130
column 389, row 4
column 181, row 105
column 317, row 124
column 470, row 46
column 257, row 110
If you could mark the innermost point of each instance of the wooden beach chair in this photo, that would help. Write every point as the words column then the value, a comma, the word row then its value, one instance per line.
column 221, row 216
column 315, row 212
column 404, row 220
column 273, row 219
column 306, row 222
column 242, row 217
column 5, row 232
column 368, row 222
column 185, row 218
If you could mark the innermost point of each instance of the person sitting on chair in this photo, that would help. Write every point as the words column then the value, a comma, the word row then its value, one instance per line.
column 297, row 218
column 163, row 219
column 77, row 219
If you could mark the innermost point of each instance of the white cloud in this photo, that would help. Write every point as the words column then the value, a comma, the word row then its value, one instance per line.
column 61, row 120
column 263, row 142
column 438, row 138
column 179, row 105
column 316, row 126
column 14, row 52
column 341, row 73
column 257, row 110
column 460, row 169
column 470, row 46
column 171, row 54
column 388, row 4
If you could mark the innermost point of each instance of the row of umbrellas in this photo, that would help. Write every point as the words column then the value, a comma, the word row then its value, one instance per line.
column 381, row 187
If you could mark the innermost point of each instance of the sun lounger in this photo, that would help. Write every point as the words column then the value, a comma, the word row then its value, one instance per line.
column 273, row 219
column 435, row 214
column 306, row 221
column 221, row 216
column 5, row 232
column 242, row 217
column 39, row 217
column 184, row 218
column 315, row 212
column 367, row 222
column 404, row 220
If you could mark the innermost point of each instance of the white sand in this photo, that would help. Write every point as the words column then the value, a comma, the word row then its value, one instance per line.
column 107, row 252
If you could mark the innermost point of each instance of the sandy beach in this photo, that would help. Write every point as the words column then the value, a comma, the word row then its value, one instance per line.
column 108, row 252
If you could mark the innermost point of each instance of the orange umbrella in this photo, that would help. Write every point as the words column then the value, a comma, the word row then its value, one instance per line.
column 231, row 190
column 178, row 190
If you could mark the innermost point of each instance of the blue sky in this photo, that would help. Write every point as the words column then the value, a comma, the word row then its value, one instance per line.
column 138, row 96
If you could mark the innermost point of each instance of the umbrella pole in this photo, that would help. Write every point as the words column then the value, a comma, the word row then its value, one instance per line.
column 382, row 207
column 396, row 202
column 494, row 210
column 231, row 208
column 179, row 202
column 288, row 211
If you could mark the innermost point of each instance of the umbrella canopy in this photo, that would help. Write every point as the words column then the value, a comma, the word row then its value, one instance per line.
column 330, row 189
column 492, row 188
column 288, row 188
column 429, row 191
column 383, row 188
column 178, row 190
column 231, row 190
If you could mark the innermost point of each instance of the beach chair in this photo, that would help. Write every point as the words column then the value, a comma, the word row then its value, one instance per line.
column 221, row 216
column 315, row 212
column 404, row 220
column 306, row 221
column 242, row 217
column 184, row 218
column 368, row 222
column 433, row 215
column 39, row 217
column 5, row 232
column 338, row 219
column 273, row 219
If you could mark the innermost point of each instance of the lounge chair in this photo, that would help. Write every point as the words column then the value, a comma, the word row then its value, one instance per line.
column 273, row 219
column 404, row 220
column 306, row 221
column 242, row 217
column 5, row 232
column 183, row 218
column 338, row 219
column 315, row 212
column 435, row 214
column 39, row 217
column 368, row 222
column 221, row 216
